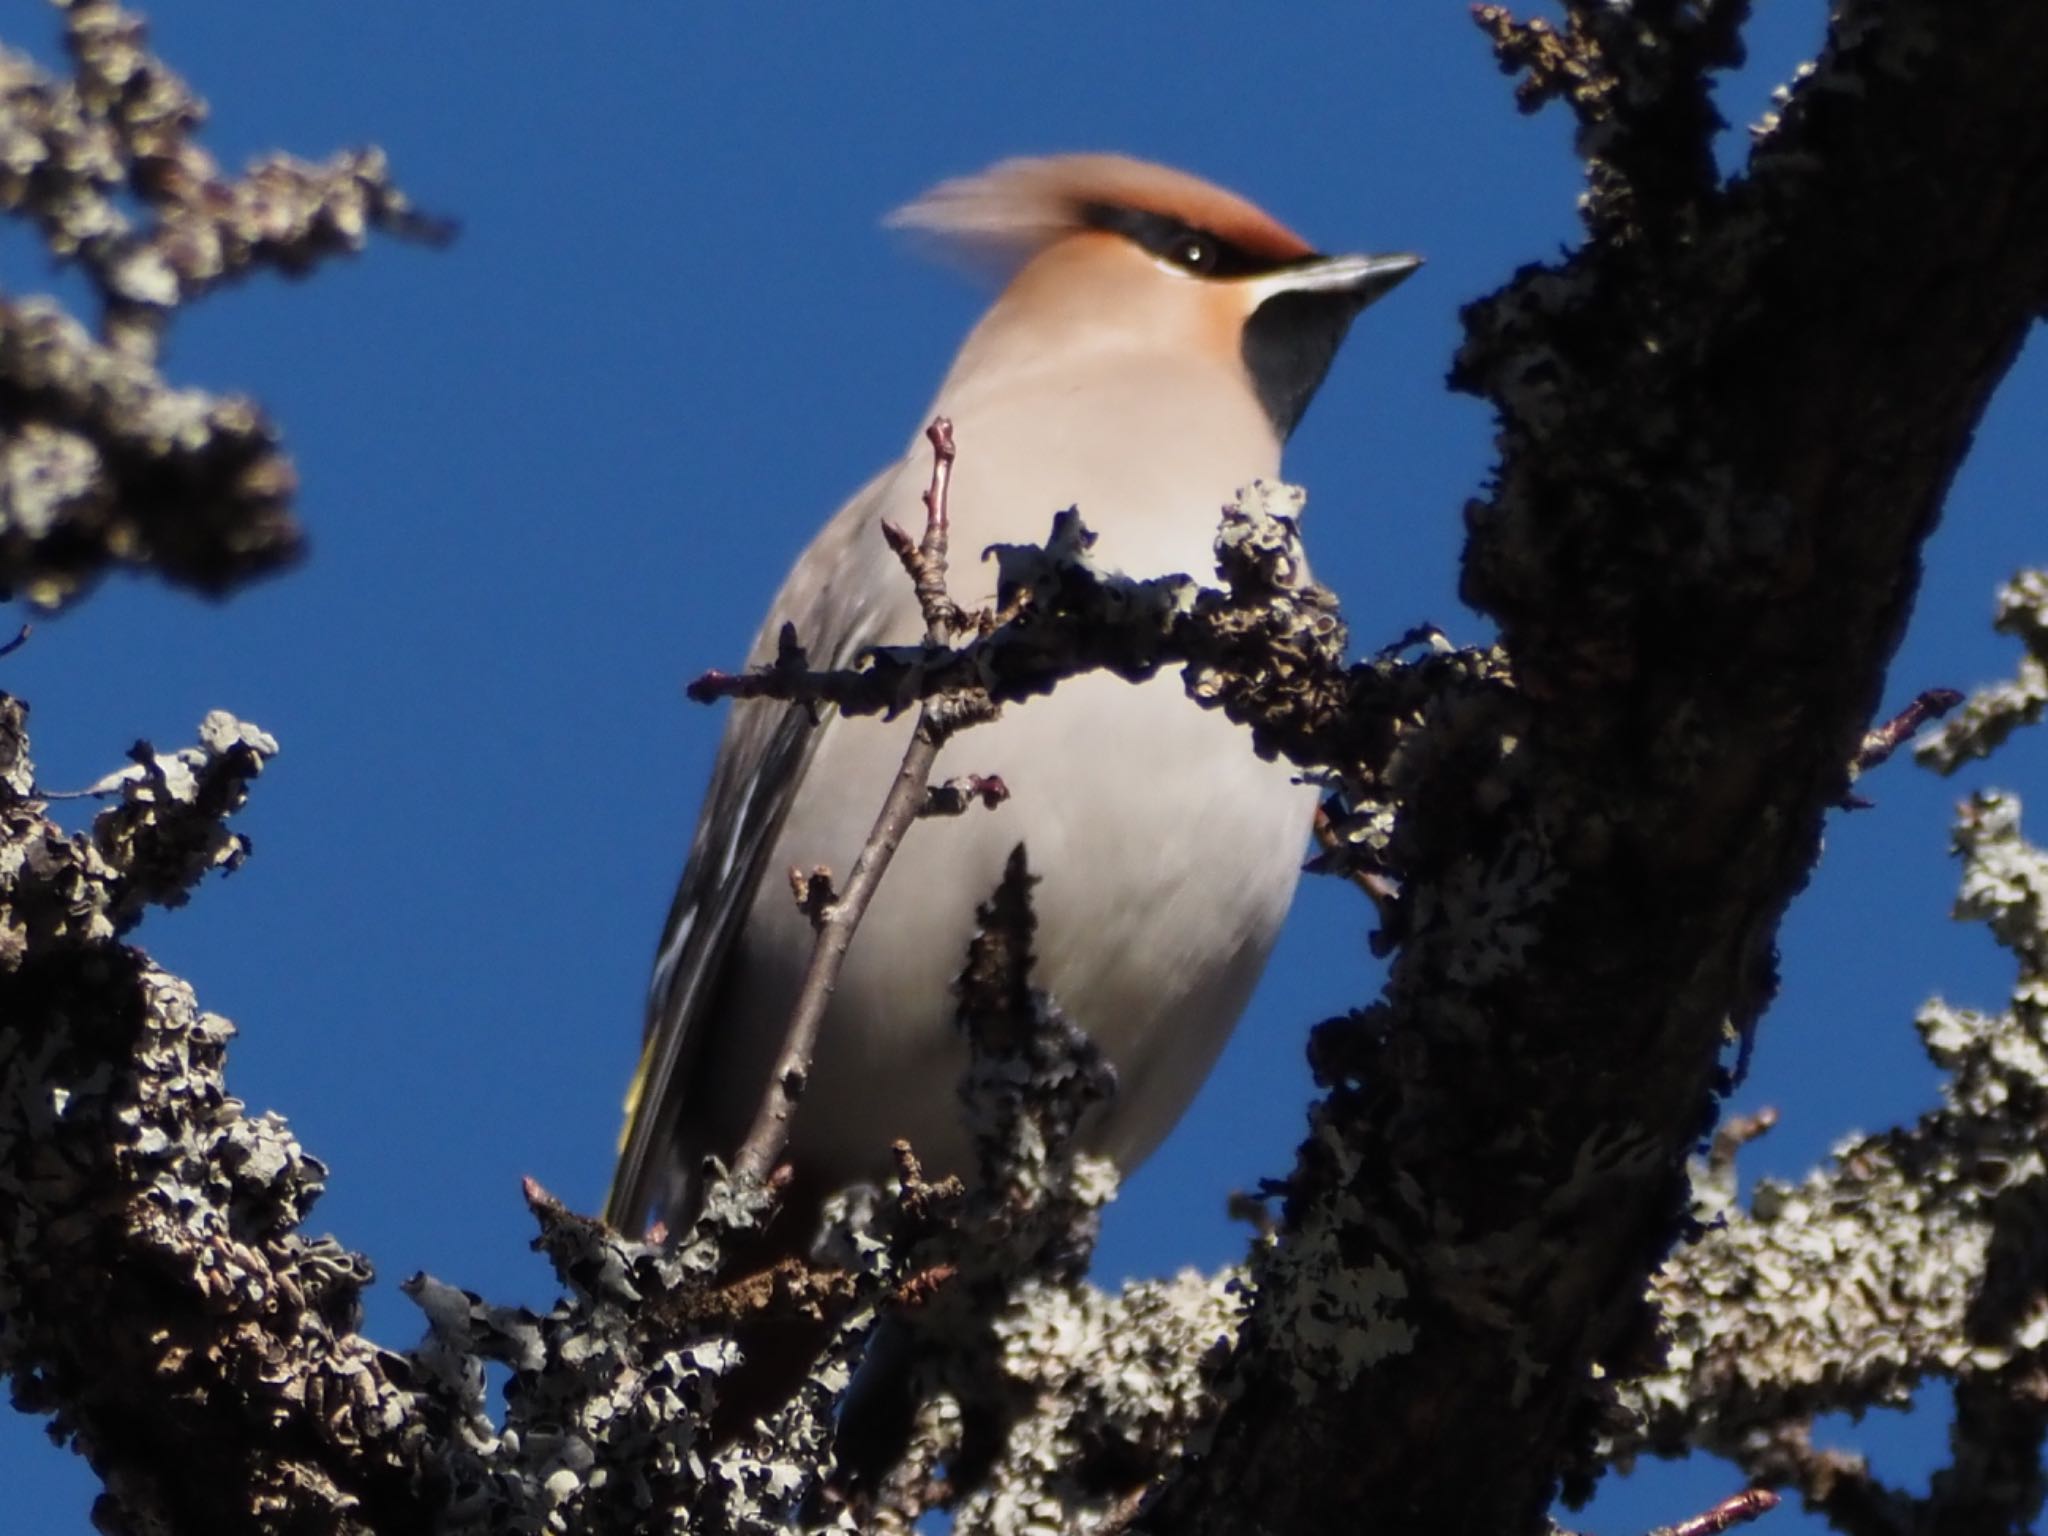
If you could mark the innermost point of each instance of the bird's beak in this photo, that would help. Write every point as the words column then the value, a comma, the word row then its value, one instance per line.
column 1360, row 278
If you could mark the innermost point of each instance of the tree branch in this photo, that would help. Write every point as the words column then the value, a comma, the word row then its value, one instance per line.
column 157, row 1293
column 102, row 461
column 1727, row 423
column 909, row 798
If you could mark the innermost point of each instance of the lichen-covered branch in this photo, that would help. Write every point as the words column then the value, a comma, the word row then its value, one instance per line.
column 610, row 1423
column 159, row 1301
column 1727, row 423
column 937, row 1393
column 157, row 1298
column 1916, row 1254
column 836, row 914
column 101, row 460
column 1267, row 646
column 125, row 125
column 156, row 1295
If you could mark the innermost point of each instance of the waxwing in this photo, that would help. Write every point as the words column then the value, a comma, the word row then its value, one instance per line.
column 1155, row 344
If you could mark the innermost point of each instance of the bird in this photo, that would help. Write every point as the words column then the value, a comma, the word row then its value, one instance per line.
column 1154, row 344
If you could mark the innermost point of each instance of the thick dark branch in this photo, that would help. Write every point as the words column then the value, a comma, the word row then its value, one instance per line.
column 1727, row 425
column 1916, row 1255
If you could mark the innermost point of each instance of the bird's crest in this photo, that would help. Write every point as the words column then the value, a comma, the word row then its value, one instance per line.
column 1010, row 212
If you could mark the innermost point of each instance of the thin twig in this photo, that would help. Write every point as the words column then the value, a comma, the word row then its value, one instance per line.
column 908, row 796
column 1837, row 1485
column 1737, row 1132
column 1123, row 1513
column 769, row 1133
column 20, row 639
column 925, row 561
column 1885, row 738
column 1736, row 1509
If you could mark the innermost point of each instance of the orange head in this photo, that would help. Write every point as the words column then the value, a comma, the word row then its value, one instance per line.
column 1105, row 250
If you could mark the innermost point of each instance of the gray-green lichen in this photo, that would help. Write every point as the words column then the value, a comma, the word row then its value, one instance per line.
column 1109, row 1378
column 610, row 1393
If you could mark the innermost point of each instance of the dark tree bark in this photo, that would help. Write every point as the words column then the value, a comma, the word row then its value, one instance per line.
column 1728, row 424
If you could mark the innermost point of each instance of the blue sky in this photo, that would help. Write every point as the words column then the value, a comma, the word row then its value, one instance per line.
column 557, row 469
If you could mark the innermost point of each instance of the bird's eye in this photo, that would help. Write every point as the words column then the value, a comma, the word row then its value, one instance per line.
column 1196, row 251
column 1165, row 238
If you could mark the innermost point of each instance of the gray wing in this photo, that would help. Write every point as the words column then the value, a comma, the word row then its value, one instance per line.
column 842, row 598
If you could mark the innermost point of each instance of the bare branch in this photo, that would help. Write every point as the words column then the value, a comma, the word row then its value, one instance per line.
column 908, row 798
column 924, row 560
column 1736, row 1509
column 1881, row 741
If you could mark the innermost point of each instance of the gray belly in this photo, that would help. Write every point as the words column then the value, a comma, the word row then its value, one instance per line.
column 1167, row 854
